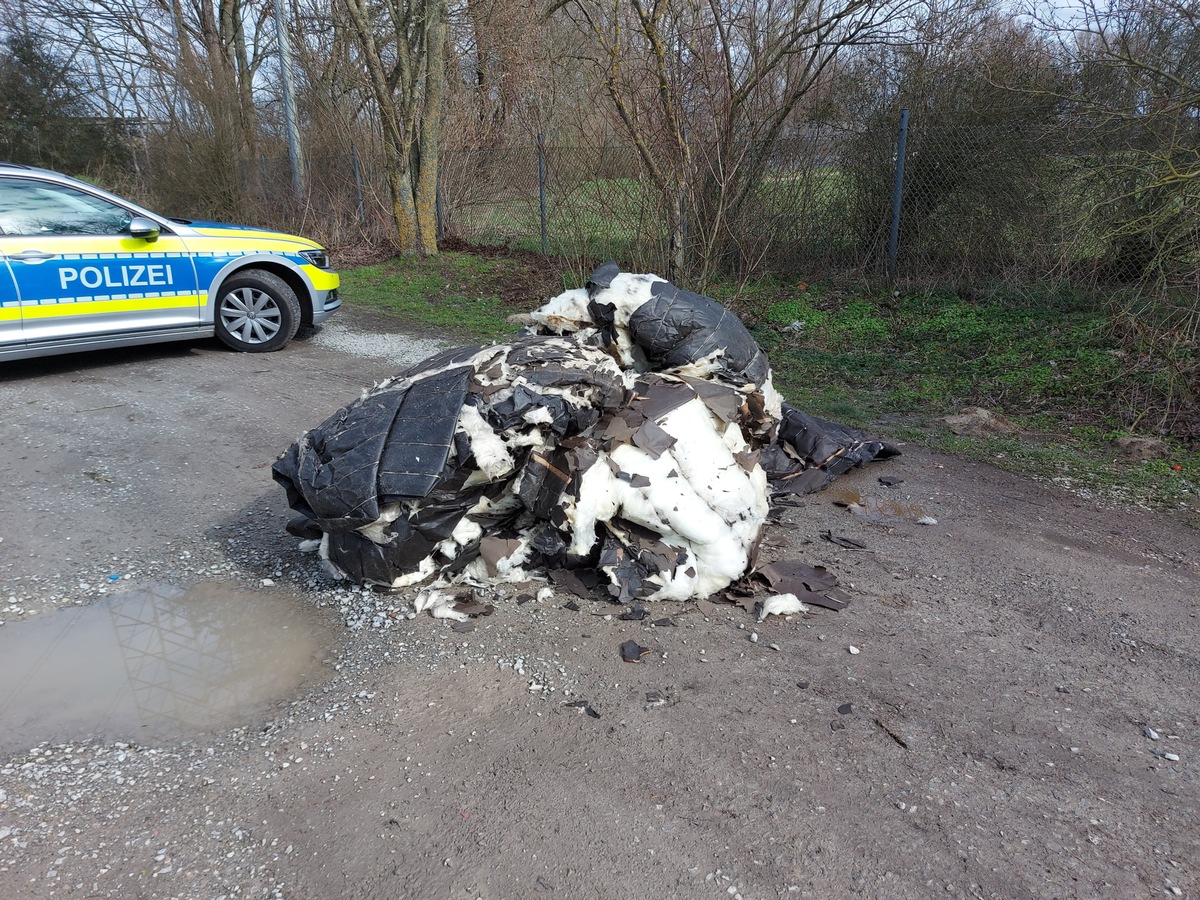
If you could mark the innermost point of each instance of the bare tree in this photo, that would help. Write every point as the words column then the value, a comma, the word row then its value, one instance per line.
column 705, row 89
column 1137, row 71
column 1136, row 93
column 403, row 51
column 191, row 64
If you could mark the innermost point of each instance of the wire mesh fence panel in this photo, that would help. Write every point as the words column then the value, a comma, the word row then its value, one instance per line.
column 793, row 219
column 998, row 202
column 328, row 208
column 600, row 206
column 491, row 196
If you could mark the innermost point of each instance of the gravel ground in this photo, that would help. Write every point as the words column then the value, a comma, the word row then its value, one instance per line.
column 1020, row 718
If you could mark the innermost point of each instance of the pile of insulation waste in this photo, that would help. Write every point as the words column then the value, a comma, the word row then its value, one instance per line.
column 631, row 440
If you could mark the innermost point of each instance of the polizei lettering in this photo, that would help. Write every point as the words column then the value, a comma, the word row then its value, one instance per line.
column 117, row 276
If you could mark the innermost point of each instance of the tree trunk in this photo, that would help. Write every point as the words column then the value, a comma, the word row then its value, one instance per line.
column 431, row 125
column 409, row 98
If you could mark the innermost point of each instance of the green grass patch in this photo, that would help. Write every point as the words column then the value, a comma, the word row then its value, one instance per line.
column 934, row 352
column 455, row 295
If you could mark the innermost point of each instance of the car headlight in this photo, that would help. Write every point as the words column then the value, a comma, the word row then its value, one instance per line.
column 318, row 258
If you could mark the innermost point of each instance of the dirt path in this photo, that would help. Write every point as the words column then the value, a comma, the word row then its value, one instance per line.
column 990, row 737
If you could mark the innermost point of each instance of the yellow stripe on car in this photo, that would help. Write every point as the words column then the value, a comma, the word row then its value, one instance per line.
column 260, row 238
column 97, row 307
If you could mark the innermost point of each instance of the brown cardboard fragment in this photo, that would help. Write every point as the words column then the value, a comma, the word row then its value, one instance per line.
column 793, row 576
column 653, row 440
column 723, row 402
column 572, row 580
column 824, row 600
column 747, row 459
column 494, row 549
column 471, row 605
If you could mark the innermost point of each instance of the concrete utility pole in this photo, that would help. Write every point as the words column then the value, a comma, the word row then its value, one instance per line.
column 295, row 155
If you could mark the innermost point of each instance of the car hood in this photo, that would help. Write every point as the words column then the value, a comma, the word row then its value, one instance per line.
column 225, row 229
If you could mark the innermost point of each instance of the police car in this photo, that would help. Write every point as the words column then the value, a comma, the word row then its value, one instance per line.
column 82, row 269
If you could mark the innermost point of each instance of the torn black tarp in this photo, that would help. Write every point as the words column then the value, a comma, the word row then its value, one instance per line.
column 627, row 446
column 819, row 445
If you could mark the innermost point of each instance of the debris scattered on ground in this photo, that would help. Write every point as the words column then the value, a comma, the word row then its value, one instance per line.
column 975, row 421
column 632, row 444
column 631, row 651
column 584, row 706
column 780, row 605
column 844, row 542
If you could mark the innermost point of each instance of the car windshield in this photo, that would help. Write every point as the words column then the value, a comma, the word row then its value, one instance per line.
column 31, row 207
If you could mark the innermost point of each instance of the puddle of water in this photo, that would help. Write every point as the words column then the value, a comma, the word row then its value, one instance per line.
column 154, row 663
column 878, row 510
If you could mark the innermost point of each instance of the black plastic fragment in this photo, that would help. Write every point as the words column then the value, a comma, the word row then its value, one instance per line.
column 421, row 434
column 632, row 652
column 583, row 705
column 678, row 328
column 832, row 447
column 841, row 541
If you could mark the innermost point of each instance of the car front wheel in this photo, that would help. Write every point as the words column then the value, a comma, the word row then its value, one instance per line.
column 257, row 312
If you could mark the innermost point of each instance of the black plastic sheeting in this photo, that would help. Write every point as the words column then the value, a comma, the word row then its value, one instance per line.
column 389, row 479
column 677, row 328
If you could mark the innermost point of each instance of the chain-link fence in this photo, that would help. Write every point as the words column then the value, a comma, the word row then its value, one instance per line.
column 995, row 202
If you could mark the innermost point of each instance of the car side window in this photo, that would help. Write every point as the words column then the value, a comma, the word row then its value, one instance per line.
column 34, row 208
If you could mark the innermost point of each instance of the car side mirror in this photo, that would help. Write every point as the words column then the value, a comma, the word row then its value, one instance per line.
column 146, row 229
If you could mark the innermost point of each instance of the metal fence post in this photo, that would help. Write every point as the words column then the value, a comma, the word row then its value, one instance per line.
column 897, row 192
column 358, row 190
column 290, row 120
column 541, row 147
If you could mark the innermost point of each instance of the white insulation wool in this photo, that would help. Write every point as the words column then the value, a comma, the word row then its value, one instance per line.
column 781, row 605
column 697, row 499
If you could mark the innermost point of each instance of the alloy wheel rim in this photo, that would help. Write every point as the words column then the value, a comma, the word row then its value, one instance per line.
column 250, row 315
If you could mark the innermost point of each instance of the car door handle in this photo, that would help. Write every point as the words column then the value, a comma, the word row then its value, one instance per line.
column 32, row 256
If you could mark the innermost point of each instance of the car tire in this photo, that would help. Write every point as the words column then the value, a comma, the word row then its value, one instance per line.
column 256, row 312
